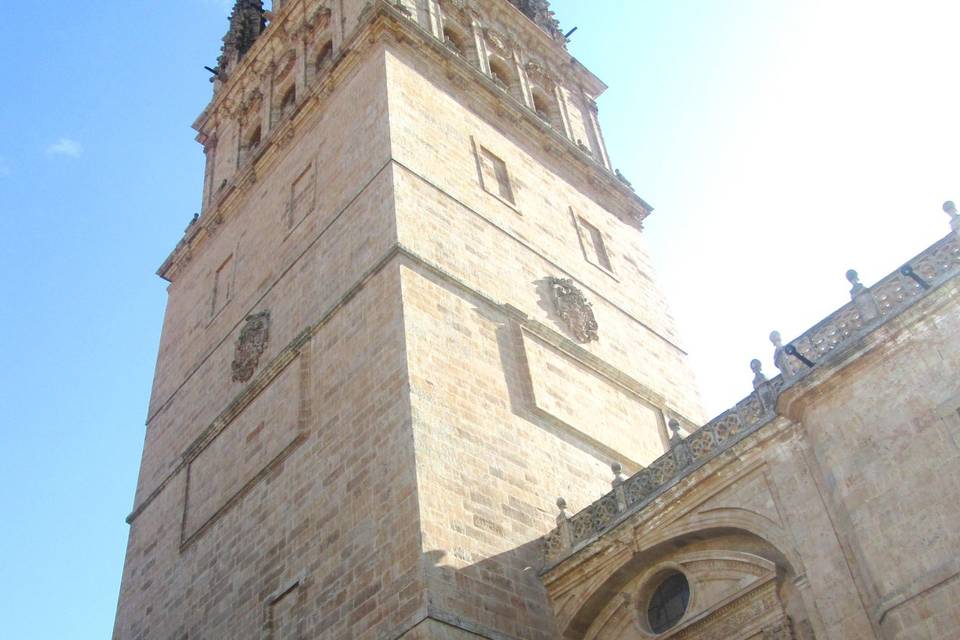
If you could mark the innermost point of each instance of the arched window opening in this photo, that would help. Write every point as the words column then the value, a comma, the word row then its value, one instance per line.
column 668, row 603
column 288, row 102
column 500, row 73
column 324, row 57
column 455, row 41
column 546, row 107
column 253, row 140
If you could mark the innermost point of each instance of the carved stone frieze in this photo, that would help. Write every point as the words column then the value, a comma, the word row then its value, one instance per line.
column 250, row 346
column 781, row 631
column 729, row 620
column 539, row 76
column 229, row 108
column 574, row 309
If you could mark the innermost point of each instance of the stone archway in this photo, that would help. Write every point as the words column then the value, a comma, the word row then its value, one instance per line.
column 738, row 587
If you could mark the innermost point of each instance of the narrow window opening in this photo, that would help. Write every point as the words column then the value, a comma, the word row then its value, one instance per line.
column 288, row 102
column 500, row 73
column 222, row 286
column 495, row 177
column 545, row 107
column 251, row 144
column 301, row 196
column 454, row 42
column 596, row 246
column 254, row 141
column 326, row 53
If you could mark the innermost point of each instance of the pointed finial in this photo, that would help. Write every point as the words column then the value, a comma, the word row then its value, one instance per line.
column 781, row 358
column 951, row 210
column 676, row 438
column 854, row 279
column 758, row 377
column 618, row 476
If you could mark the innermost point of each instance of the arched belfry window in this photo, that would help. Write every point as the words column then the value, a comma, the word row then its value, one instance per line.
column 546, row 107
column 455, row 40
column 325, row 55
column 668, row 602
column 500, row 71
column 288, row 103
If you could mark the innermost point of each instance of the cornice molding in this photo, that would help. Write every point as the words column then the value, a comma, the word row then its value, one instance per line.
column 383, row 23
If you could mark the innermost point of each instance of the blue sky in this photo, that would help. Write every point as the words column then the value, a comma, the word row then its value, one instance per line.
column 780, row 142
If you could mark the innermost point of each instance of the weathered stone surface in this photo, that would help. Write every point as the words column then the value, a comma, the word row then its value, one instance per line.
column 379, row 468
column 387, row 461
column 847, row 488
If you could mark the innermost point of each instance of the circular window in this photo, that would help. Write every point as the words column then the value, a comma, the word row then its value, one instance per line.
column 668, row 603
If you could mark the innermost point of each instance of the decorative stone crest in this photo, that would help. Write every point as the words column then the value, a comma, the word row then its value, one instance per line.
column 574, row 309
column 497, row 40
column 250, row 346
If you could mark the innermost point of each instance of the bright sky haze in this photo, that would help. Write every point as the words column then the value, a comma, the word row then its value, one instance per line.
column 780, row 142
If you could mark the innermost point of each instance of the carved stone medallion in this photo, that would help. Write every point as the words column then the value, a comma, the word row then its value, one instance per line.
column 250, row 346
column 574, row 309
column 497, row 40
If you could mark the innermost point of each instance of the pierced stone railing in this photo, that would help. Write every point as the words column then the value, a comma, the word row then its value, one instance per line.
column 872, row 306
column 869, row 308
column 685, row 455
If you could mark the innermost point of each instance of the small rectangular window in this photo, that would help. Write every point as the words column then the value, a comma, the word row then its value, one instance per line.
column 222, row 285
column 301, row 196
column 494, row 175
column 594, row 246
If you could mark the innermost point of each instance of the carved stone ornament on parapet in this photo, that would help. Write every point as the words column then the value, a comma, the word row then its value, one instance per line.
column 250, row 346
column 574, row 309
column 498, row 42
column 539, row 76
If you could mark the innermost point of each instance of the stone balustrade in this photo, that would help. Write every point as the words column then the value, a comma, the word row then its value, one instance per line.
column 868, row 309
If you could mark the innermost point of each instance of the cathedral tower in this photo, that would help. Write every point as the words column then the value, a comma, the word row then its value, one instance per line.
column 415, row 309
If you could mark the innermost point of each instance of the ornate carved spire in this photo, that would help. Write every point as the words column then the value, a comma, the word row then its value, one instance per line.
column 539, row 11
column 247, row 22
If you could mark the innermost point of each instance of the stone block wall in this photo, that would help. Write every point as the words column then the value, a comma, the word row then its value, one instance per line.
column 285, row 506
column 483, row 337
column 848, row 489
column 392, row 460
column 885, row 435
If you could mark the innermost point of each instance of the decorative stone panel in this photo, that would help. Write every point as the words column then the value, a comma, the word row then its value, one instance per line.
column 250, row 346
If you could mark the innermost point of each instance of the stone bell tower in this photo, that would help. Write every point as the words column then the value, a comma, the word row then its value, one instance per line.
column 416, row 308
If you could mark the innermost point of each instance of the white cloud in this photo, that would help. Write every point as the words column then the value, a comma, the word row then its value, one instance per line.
column 65, row 147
